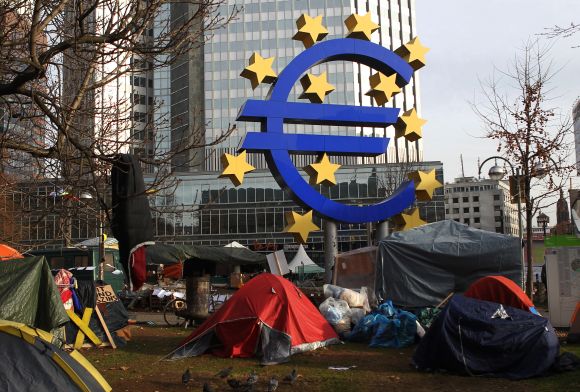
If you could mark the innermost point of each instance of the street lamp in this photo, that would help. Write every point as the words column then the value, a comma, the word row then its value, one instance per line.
column 86, row 195
column 496, row 173
column 543, row 221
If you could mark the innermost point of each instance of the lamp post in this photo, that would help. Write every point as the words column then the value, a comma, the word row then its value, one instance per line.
column 497, row 173
column 85, row 195
column 543, row 221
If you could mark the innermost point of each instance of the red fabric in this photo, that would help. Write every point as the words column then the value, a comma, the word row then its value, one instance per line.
column 138, row 267
column 63, row 282
column 9, row 253
column 501, row 290
column 174, row 271
column 268, row 299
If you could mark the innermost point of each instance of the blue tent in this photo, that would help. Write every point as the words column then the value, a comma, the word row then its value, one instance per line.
column 474, row 337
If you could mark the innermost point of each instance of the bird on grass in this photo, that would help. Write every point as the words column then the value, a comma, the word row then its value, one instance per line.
column 207, row 388
column 252, row 379
column 273, row 384
column 186, row 377
column 291, row 378
column 224, row 372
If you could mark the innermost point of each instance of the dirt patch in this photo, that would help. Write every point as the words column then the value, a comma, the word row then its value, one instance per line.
column 137, row 367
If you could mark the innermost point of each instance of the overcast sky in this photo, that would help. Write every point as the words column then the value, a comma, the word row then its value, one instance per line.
column 467, row 40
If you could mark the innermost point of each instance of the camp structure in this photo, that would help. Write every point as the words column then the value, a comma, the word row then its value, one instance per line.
column 7, row 253
column 501, row 290
column 29, row 295
column 422, row 266
column 201, row 260
column 31, row 362
column 482, row 338
column 268, row 317
column 303, row 263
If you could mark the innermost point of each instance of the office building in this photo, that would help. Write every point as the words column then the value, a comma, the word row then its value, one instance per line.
column 209, row 210
column 482, row 203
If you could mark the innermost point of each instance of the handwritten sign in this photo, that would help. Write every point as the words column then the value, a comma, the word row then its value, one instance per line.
column 105, row 294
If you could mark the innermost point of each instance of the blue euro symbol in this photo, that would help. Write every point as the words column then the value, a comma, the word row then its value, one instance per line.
column 273, row 112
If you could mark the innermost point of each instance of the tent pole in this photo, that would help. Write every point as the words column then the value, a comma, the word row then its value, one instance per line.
column 330, row 248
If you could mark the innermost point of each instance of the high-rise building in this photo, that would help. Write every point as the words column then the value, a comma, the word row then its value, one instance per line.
column 483, row 204
column 267, row 27
column 205, row 209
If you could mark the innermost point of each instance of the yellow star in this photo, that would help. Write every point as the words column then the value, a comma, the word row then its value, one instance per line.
column 409, row 221
column 260, row 70
column 425, row 184
column 315, row 87
column 409, row 125
column 360, row 26
column 235, row 167
column 310, row 30
column 322, row 172
column 300, row 225
column 383, row 87
column 413, row 52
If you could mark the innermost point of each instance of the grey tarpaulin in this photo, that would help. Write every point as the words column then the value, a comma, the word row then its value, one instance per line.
column 420, row 267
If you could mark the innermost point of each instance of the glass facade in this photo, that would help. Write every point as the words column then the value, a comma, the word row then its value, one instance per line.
column 208, row 210
column 267, row 27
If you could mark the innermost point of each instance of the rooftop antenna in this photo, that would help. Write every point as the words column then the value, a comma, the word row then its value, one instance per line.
column 462, row 169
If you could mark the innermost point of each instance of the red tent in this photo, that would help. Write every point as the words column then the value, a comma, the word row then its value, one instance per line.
column 268, row 317
column 8, row 253
column 501, row 290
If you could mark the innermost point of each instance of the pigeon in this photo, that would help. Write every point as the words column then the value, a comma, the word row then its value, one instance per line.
column 224, row 372
column 207, row 388
column 186, row 377
column 273, row 384
column 252, row 379
column 291, row 377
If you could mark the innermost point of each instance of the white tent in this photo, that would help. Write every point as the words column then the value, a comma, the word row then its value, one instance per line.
column 302, row 258
column 235, row 244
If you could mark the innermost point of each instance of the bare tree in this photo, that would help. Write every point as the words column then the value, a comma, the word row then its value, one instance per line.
column 530, row 133
column 70, row 71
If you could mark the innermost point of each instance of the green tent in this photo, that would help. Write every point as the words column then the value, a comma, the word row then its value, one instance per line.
column 28, row 294
column 170, row 254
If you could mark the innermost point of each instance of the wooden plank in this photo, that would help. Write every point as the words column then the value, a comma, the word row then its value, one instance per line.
column 104, row 324
column 84, row 326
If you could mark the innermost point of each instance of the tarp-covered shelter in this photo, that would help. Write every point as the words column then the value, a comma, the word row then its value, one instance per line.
column 479, row 338
column 421, row 266
column 268, row 317
column 501, row 290
column 30, row 362
column 29, row 295
column 303, row 260
column 202, row 258
column 7, row 253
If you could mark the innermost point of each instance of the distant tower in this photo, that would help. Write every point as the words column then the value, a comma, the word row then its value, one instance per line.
column 576, row 119
column 562, row 215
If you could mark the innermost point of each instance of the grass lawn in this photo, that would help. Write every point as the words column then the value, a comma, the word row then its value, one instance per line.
column 136, row 367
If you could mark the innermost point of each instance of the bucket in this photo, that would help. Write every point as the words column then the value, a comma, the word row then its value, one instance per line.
column 197, row 296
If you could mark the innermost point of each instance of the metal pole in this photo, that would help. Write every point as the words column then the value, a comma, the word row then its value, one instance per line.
column 520, row 227
column 101, row 247
column 382, row 230
column 330, row 248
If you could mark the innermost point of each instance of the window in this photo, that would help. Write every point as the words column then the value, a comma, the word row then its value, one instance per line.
column 475, row 209
column 476, row 220
column 456, row 210
column 466, row 210
column 466, row 199
column 496, row 208
column 466, row 221
column 447, row 211
column 495, row 197
column 456, row 200
column 498, row 218
column 476, row 198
